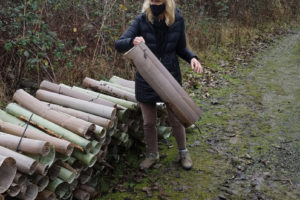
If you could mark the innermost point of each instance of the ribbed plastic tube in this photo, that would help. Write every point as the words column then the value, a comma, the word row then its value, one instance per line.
column 123, row 82
column 49, row 127
column 70, row 102
column 14, row 126
column 8, row 171
column 78, row 126
column 164, row 84
column 122, row 102
column 27, row 145
column 25, row 164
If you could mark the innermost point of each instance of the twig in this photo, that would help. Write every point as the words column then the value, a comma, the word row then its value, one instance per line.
column 198, row 128
column 100, row 29
column 285, row 180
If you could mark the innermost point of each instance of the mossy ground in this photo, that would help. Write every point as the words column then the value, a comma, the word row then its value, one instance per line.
column 249, row 145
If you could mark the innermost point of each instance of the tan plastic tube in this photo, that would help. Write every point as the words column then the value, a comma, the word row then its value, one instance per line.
column 25, row 164
column 78, row 126
column 164, row 84
column 30, row 193
column 48, row 126
column 61, row 89
column 108, row 89
column 70, row 102
column 123, row 82
column 100, row 121
column 42, row 169
column 20, row 179
column 61, row 146
column 8, row 171
column 26, row 145
column 13, row 190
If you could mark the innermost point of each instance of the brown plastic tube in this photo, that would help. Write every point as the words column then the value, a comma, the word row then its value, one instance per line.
column 92, row 191
column 46, row 195
column 27, row 145
column 108, row 89
column 8, row 171
column 70, row 102
column 86, row 175
column 78, row 126
column 164, row 84
column 52, row 87
column 61, row 146
column 81, row 194
column 25, row 164
column 53, row 171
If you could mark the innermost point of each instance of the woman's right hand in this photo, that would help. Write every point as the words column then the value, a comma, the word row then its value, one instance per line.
column 138, row 40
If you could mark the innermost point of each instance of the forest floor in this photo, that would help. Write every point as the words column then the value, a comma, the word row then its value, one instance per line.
column 249, row 145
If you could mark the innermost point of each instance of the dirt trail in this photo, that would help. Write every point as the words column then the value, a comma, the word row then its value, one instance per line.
column 249, row 147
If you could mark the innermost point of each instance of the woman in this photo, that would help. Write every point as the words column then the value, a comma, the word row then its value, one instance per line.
column 162, row 29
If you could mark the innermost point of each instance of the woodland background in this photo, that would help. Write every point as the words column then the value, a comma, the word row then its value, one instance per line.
column 64, row 41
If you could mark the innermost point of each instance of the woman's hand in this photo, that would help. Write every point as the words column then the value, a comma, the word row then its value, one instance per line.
column 196, row 66
column 138, row 40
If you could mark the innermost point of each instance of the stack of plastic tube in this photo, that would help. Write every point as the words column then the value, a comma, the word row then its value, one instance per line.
column 56, row 144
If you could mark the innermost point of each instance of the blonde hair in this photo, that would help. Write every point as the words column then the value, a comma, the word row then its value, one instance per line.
column 168, row 14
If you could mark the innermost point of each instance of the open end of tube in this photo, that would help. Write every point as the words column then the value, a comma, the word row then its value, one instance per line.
column 43, row 183
column 31, row 192
column 46, row 195
column 33, row 168
column 13, row 190
column 77, row 165
column 113, row 113
column 68, row 194
column 88, row 147
column 103, row 133
column 69, row 149
column 62, row 189
column 89, row 131
column 46, row 149
column 53, row 172
column 8, row 171
column 128, row 54
column 42, row 169
column 51, row 197
column 93, row 161
column 111, row 124
column 96, row 149
column 49, row 159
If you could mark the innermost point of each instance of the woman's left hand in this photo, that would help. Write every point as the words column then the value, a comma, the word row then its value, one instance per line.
column 196, row 66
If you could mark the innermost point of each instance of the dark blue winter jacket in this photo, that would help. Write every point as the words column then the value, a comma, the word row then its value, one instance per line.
column 174, row 43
